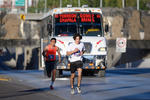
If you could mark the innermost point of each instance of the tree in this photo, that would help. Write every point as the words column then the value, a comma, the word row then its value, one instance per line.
column 131, row 3
column 143, row 4
column 91, row 3
column 112, row 3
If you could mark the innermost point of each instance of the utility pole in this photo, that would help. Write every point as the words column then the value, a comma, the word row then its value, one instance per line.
column 78, row 3
column 71, row 2
column 12, row 5
column 36, row 6
column 26, row 6
column 45, row 10
column 123, row 3
column 101, row 3
column 138, row 4
column 60, row 3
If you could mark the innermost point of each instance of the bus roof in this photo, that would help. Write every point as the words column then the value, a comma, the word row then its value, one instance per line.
column 75, row 9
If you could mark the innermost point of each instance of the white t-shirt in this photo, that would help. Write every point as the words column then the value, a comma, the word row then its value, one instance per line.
column 75, row 56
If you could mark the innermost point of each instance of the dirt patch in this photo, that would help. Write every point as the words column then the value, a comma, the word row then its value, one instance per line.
column 11, row 25
column 146, row 24
column 135, row 25
column 117, row 25
column 128, row 23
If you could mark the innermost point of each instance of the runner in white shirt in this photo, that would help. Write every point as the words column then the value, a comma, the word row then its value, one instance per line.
column 75, row 52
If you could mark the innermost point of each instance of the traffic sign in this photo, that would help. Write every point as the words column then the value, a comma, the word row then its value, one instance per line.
column 19, row 2
column 121, row 44
column 22, row 17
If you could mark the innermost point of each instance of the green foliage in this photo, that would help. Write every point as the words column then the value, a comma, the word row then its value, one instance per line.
column 112, row 3
column 131, row 3
column 31, row 9
column 91, row 3
column 143, row 4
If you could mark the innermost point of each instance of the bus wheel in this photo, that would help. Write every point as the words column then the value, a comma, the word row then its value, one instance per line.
column 101, row 73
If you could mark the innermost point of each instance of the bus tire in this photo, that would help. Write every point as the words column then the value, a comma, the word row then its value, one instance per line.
column 101, row 73
column 59, row 73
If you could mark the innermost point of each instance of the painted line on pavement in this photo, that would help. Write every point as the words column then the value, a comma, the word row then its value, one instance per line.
column 4, row 79
column 63, row 79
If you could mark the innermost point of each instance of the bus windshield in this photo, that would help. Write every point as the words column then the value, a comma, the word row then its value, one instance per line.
column 65, row 29
column 87, row 24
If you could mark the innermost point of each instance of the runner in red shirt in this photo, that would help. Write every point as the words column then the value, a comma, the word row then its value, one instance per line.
column 49, row 54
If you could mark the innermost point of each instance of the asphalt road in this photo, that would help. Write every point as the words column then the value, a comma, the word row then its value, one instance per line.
column 13, row 91
column 121, row 84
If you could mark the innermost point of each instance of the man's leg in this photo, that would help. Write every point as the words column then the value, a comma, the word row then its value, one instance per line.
column 79, row 79
column 73, row 69
column 53, row 79
column 54, row 75
column 79, row 76
column 48, row 69
column 53, row 70
column 72, row 80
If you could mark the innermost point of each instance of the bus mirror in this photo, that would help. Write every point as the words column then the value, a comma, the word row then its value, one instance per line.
column 106, row 28
column 49, row 28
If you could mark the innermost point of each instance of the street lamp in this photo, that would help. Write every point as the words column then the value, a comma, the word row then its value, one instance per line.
column 45, row 6
column 60, row 3
column 138, row 4
column 78, row 3
column 26, row 6
column 123, row 3
column 101, row 3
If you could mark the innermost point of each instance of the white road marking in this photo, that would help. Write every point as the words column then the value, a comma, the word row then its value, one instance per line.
column 62, row 79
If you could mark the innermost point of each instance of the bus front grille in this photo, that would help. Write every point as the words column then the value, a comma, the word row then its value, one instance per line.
column 88, row 47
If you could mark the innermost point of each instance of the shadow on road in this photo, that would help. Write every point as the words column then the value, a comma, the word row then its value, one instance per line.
column 140, row 96
column 104, row 90
column 132, row 71
column 35, row 90
column 24, row 93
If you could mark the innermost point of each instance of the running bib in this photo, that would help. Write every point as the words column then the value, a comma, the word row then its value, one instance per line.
column 50, row 57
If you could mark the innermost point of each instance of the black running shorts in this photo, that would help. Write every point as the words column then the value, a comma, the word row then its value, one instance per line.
column 50, row 66
column 75, row 65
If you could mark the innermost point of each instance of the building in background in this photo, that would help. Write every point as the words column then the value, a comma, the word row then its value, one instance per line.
column 1, row 2
column 16, row 5
column 5, row 3
column 12, row 3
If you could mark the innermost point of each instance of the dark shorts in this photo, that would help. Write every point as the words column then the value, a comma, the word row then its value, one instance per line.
column 75, row 65
column 49, row 67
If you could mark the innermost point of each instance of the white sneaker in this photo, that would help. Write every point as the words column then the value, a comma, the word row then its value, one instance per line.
column 79, row 89
column 72, row 91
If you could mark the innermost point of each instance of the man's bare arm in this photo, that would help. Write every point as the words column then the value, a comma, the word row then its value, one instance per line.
column 71, row 52
column 82, row 52
column 59, row 55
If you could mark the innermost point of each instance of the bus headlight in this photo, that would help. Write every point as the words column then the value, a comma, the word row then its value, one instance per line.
column 102, row 49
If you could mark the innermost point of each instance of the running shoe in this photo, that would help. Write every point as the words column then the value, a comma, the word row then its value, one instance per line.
column 51, row 87
column 72, row 91
column 79, row 89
